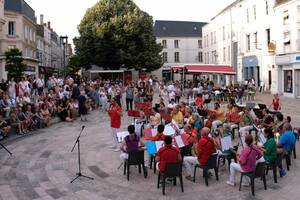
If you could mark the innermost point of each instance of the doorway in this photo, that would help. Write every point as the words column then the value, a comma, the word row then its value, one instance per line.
column 270, row 79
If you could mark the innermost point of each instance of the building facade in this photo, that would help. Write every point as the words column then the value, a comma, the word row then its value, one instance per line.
column 19, row 31
column 182, row 44
column 287, row 29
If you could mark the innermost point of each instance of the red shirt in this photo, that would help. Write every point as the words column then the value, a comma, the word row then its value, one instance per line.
column 158, row 137
column 115, row 118
column 276, row 104
column 205, row 148
column 167, row 154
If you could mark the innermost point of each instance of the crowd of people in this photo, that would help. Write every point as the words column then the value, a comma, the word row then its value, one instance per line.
column 183, row 106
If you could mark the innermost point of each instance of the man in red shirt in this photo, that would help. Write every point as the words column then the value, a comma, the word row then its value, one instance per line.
column 160, row 135
column 115, row 114
column 167, row 154
column 204, row 149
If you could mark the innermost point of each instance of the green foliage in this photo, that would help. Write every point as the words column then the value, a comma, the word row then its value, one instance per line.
column 116, row 33
column 74, row 65
column 14, row 63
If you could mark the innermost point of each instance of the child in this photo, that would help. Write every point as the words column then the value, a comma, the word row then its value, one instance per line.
column 276, row 103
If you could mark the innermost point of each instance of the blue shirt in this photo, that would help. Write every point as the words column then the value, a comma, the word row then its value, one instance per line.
column 287, row 140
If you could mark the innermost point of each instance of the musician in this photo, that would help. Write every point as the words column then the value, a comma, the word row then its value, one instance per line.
column 160, row 133
column 177, row 115
column 115, row 114
column 199, row 102
column 155, row 119
column 279, row 122
column 232, row 116
column 246, row 124
column 219, row 116
column 268, row 120
column 189, row 134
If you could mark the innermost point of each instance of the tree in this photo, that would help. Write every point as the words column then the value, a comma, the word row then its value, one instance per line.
column 116, row 33
column 74, row 65
column 14, row 63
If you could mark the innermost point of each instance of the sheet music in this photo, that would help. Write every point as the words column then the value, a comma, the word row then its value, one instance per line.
column 169, row 130
column 226, row 143
column 122, row 135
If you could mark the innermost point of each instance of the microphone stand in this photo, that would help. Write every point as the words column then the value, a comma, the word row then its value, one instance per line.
column 3, row 147
column 79, row 174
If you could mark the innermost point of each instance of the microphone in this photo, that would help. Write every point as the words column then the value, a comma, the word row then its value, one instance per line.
column 83, row 127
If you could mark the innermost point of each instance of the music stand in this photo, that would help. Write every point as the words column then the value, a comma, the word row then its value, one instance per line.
column 79, row 174
column 3, row 147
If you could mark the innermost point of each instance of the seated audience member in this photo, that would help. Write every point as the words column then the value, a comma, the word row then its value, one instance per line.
column 21, row 117
column 246, row 124
column 204, row 148
column 131, row 143
column 177, row 115
column 160, row 134
column 167, row 154
column 4, row 127
column 270, row 148
column 247, row 161
column 219, row 116
column 26, row 98
column 46, row 114
column 155, row 119
column 285, row 145
column 62, row 112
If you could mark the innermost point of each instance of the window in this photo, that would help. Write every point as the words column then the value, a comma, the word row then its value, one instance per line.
column 164, row 43
column 176, row 44
column 255, row 40
column 288, row 81
column 11, row 28
column 207, row 57
column 229, row 53
column 285, row 17
column 11, row 47
column 165, row 57
column 268, row 36
column 248, row 42
column 223, row 29
column 214, row 56
column 254, row 12
column 176, row 57
column 212, row 38
column 200, row 44
column 267, row 7
column 215, row 38
column 200, row 57
column 224, row 54
column 26, row 32
column 247, row 12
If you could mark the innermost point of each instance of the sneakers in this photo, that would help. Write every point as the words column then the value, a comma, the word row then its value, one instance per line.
column 282, row 172
column 230, row 183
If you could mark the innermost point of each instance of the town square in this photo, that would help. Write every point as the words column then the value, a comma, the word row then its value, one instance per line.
column 132, row 101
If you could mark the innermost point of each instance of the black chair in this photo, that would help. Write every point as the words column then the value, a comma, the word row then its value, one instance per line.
column 153, row 163
column 173, row 170
column 273, row 166
column 135, row 158
column 258, row 173
column 211, row 164
column 228, row 156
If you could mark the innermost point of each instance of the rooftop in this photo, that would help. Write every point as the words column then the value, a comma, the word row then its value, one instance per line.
column 20, row 6
column 178, row 28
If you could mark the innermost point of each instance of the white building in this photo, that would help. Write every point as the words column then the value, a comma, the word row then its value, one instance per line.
column 287, row 29
column 240, row 36
column 182, row 44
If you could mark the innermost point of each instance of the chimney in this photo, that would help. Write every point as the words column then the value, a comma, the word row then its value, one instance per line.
column 49, row 25
column 41, row 19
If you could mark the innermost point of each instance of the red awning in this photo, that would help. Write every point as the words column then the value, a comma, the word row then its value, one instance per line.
column 175, row 68
column 216, row 69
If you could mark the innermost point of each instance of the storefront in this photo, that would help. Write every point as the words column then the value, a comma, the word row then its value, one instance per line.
column 288, row 79
column 251, row 69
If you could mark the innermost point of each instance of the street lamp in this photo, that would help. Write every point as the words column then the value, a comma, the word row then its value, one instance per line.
column 64, row 40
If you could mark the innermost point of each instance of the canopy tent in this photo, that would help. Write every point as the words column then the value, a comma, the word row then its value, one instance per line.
column 202, row 69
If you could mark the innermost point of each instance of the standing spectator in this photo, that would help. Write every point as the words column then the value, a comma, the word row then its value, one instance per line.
column 115, row 113
column 82, row 100
column 12, row 89
column 40, row 85
column 276, row 103
column 129, row 97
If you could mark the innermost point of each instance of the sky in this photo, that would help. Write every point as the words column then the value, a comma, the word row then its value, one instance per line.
column 65, row 15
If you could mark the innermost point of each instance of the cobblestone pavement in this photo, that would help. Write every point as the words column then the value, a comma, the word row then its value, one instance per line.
column 42, row 167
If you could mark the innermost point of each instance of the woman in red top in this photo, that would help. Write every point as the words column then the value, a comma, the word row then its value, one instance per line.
column 199, row 102
column 276, row 103
column 115, row 114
